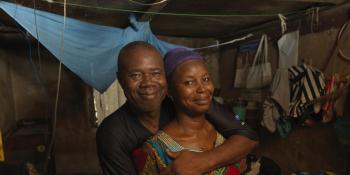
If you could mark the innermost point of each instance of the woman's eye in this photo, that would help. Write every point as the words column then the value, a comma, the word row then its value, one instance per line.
column 206, row 79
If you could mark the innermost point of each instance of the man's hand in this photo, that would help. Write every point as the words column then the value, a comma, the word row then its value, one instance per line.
column 185, row 163
column 196, row 163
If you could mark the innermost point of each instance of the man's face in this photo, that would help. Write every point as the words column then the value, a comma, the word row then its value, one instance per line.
column 142, row 78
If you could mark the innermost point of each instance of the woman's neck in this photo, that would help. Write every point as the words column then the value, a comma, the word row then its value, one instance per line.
column 191, row 131
column 190, row 124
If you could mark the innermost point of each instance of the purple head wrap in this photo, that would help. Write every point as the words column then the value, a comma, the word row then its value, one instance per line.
column 176, row 56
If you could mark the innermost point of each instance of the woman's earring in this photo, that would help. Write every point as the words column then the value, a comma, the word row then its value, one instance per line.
column 171, row 97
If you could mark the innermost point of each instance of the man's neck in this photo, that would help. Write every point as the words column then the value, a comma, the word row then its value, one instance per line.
column 150, row 121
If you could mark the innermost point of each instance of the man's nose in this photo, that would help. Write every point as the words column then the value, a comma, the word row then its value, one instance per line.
column 146, row 80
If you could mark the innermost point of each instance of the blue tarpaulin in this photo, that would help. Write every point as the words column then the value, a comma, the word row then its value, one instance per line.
column 89, row 50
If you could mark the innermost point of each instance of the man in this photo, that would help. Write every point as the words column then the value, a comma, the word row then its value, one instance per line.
column 142, row 77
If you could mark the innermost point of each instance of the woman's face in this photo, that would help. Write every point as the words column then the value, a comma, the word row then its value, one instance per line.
column 191, row 87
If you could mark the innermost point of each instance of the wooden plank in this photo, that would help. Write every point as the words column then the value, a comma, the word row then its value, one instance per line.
column 328, row 18
column 317, row 1
column 154, row 8
column 7, row 29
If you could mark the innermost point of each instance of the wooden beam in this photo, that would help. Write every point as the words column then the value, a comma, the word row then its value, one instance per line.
column 153, row 8
column 15, row 39
column 8, row 29
column 317, row 1
column 328, row 18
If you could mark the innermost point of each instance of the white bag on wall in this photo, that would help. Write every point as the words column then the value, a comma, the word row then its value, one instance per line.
column 241, row 71
column 259, row 74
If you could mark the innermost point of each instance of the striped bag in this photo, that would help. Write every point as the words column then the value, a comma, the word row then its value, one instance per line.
column 307, row 85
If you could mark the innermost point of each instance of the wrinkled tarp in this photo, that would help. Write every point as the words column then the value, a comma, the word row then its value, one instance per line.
column 89, row 50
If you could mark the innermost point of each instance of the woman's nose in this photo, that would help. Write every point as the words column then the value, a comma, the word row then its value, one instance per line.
column 200, row 88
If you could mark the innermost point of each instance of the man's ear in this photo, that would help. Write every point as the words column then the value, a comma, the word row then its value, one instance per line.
column 120, row 80
column 118, row 75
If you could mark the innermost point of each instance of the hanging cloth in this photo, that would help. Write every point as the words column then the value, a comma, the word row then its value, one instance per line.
column 327, row 107
column 280, row 91
column 89, row 50
column 270, row 115
column 288, row 46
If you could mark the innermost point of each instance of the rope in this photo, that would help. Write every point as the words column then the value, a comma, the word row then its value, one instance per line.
column 283, row 23
column 26, row 37
column 225, row 43
column 54, row 120
column 141, row 3
column 340, row 51
column 177, row 14
column 314, row 18
column 337, row 48
column 37, row 36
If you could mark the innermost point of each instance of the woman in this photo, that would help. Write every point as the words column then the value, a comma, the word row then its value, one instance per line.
column 191, row 89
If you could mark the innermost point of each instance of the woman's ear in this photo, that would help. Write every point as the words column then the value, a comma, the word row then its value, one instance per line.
column 170, row 94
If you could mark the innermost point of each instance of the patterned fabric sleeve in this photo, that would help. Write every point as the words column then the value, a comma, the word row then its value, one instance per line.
column 144, row 160
column 147, row 160
column 151, row 158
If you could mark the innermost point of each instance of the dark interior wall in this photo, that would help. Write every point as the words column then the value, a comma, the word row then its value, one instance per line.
column 29, row 94
column 7, row 112
column 310, row 149
column 305, row 149
column 318, row 47
column 75, row 146
column 26, row 91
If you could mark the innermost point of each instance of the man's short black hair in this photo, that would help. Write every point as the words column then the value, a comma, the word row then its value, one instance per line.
column 130, row 46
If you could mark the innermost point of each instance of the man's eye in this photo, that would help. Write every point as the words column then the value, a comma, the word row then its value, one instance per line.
column 135, row 76
column 189, row 82
column 156, row 73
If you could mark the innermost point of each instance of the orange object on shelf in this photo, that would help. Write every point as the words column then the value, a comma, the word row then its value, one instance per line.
column 2, row 155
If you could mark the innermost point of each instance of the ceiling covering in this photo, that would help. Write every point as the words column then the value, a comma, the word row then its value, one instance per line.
column 186, row 18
